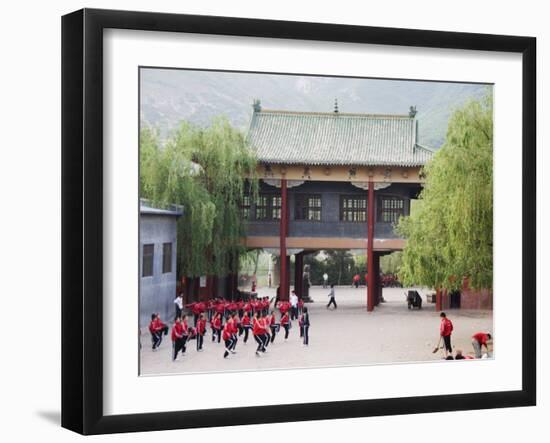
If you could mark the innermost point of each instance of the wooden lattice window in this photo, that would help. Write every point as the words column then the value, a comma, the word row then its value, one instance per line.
column 390, row 208
column 268, row 207
column 307, row 207
column 353, row 208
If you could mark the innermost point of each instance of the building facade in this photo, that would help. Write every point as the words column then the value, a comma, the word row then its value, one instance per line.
column 332, row 181
column 157, row 261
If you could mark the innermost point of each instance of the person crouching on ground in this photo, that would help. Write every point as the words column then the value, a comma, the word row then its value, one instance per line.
column 178, row 340
column 445, row 331
column 201, row 330
column 479, row 340
column 157, row 328
column 305, row 326
column 228, row 337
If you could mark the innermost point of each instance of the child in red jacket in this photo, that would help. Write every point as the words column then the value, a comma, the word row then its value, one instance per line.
column 285, row 323
column 228, row 337
column 246, row 326
column 178, row 338
column 216, row 326
column 445, row 330
column 157, row 328
column 273, row 325
column 201, row 330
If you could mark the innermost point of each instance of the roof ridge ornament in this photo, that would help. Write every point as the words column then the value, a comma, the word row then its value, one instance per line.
column 336, row 106
column 412, row 111
column 257, row 105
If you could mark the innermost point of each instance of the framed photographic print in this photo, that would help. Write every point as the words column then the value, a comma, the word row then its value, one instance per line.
column 254, row 207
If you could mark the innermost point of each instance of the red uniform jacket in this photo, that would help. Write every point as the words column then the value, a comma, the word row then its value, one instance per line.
column 227, row 330
column 481, row 337
column 201, row 326
column 284, row 319
column 156, row 325
column 245, row 321
column 177, row 331
column 446, row 327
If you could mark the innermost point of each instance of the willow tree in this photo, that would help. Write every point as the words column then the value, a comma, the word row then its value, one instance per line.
column 208, row 171
column 450, row 234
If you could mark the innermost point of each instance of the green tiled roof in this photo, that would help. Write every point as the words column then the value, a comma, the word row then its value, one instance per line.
column 283, row 137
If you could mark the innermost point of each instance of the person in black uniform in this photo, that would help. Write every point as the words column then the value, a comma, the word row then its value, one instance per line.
column 305, row 326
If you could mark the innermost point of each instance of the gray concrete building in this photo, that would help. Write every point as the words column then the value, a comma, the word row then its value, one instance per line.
column 157, row 261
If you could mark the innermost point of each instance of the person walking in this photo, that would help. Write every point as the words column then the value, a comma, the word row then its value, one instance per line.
column 293, row 305
column 445, row 331
column 332, row 296
column 305, row 326
column 178, row 303
column 479, row 340
column 325, row 280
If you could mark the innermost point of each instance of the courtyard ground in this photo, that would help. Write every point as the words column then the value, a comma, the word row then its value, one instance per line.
column 347, row 336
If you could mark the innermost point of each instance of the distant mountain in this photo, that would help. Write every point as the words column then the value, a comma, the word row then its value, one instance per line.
column 169, row 96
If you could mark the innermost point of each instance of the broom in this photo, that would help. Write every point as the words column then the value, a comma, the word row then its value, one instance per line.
column 437, row 347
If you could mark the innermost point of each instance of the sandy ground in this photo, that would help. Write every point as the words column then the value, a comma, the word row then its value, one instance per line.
column 347, row 336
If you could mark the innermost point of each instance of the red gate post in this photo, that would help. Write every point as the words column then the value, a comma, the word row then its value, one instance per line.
column 298, row 274
column 438, row 299
column 283, row 277
column 371, row 294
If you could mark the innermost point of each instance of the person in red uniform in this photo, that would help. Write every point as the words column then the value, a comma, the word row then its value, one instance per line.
column 445, row 331
column 246, row 325
column 479, row 340
column 228, row 337
column 157, row 328
column 273, row 325
column 356, row 279
column 235, row 329
column 285, row 323
column 200, row 330
column 217, row 326
column 258, row 332
column 265, row 321
column 178, row 338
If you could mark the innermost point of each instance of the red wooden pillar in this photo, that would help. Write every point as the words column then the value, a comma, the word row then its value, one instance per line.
column 377, row 283
column 371, row 289
column 438, row 299
column 283, row 274
column 299, row 274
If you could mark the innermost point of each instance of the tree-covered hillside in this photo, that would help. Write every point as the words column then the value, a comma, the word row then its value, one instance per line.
column 170, row 96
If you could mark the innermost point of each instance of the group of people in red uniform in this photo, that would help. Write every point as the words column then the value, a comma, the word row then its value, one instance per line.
column 479, row 340
column 229, row 320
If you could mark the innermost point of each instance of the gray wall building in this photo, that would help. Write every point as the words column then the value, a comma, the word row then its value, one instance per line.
column 157, row 261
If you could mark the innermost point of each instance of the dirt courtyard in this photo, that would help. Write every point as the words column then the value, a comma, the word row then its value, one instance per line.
column 346, row 336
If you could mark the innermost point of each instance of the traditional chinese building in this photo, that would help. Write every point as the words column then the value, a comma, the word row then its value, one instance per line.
column 332, row 181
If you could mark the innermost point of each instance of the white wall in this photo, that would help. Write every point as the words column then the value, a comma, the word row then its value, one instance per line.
column 30, row 185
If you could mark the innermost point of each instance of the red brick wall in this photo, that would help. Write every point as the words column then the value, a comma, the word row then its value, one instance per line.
column 475, row 299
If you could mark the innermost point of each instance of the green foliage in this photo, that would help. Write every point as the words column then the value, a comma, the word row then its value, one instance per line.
column 450, row 234
column 391, row 263
column 206, row 171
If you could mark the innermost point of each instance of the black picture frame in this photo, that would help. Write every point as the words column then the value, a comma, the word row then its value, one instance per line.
column 82, row 218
